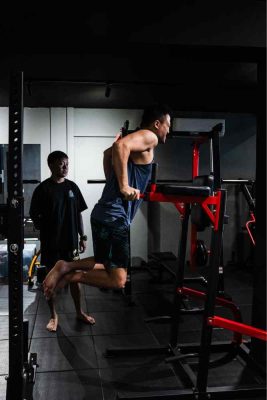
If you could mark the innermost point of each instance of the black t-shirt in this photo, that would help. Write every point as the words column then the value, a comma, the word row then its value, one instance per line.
column 55, row 209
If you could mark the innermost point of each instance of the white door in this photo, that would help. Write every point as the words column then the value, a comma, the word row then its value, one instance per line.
column 88, row 164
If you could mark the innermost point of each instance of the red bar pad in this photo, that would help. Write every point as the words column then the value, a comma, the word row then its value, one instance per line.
column 238, row 327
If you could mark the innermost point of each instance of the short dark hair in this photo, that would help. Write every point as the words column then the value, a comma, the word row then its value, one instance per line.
column 55, row 156
column 154, row 112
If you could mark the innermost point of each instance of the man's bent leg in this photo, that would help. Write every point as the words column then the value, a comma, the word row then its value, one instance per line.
column 114, row 278
column 64, row 267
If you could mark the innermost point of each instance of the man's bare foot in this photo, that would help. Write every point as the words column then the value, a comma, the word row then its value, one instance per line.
column 52, row 324
column 53, row 277
column 86, row 318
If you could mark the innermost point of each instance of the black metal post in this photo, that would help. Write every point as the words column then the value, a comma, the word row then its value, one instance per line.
column 15, row 238
column 176, row 311
column 206, row 335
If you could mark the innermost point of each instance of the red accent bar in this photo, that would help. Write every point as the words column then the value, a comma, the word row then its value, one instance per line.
column 214, row 217
column 180, row 208
column 153, row 187
column 203, row 201
column 238, row 327
column 220, row 301
column 195, row 160
column 252, row 221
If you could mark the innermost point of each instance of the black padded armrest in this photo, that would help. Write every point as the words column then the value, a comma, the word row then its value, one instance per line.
column 202, row 191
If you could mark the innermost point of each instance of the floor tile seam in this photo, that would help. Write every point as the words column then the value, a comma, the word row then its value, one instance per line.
column 65, row 370
column 90, row 369
column 60, row 337
column 91, row 334
column 87, row 335
column 118, row 334
column 97, row 361
column 33, row 323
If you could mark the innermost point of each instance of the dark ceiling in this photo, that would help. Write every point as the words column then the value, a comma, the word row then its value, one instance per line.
column 194, row 56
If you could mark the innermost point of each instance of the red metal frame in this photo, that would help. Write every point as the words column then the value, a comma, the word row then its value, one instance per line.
column 205, row 202
column 195, row 160
column 252, row 221
column 180, row 207
column 238, row 327
column 237, row 338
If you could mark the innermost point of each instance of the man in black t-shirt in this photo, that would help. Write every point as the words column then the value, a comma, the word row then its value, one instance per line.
column 56, row 208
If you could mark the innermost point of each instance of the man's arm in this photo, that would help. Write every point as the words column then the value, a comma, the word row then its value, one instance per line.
column 137, row 142
column 83, row 238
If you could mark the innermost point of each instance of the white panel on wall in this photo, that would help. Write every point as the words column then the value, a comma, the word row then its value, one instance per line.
column 70, row 140
column 196, row 124
column 3, row 125
column 58, row 129
column 88, row 164
column 103, row 122
column 37, row 130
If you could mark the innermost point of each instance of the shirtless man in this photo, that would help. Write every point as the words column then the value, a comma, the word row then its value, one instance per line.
column 127, row 166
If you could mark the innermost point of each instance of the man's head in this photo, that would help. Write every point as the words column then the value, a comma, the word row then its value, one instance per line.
column 58, row 163
column 157, row 119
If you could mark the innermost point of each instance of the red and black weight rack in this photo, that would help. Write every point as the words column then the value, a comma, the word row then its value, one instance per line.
column 194, row 373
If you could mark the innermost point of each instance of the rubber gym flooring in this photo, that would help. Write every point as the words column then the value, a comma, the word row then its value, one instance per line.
column 72, row 364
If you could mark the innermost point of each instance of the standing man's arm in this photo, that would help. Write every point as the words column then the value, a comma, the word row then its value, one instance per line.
column 137, row 142
column 35, row 209
column 81, row 206
column 83, row 237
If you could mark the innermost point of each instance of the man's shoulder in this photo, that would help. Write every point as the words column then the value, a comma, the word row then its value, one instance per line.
column 43, row 184
column 149, row 136
column 70, row 183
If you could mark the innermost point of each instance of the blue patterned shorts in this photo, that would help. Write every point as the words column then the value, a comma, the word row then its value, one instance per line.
column 111, row 244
